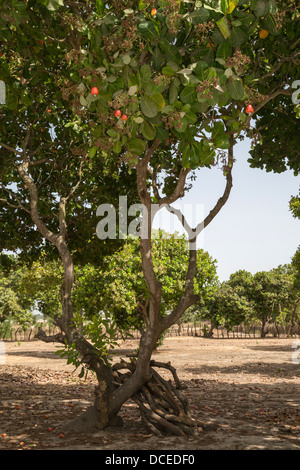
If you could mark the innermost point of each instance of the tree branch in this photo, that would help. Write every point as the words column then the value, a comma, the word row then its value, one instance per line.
column 179, row 190
column 74, row 189
column 153, row 285
column 39, row 162
column 189, row 298
column 19, row 206
column 11, row 149
column 266, row 100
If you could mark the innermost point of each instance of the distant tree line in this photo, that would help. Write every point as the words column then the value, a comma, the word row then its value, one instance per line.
column 117, row 292
column 267, row 297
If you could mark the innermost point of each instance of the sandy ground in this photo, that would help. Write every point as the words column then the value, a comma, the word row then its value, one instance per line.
column 246, row 390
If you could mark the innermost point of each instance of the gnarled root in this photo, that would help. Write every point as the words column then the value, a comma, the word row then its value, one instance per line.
column 162, row 407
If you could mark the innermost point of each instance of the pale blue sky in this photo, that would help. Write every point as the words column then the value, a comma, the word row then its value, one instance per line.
column 255, row 230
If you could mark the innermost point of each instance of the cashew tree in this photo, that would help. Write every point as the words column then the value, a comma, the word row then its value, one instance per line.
column 155, row 89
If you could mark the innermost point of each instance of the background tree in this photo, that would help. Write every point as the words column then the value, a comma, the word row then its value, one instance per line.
column 125, row 294
column 14, row 307
column 242, row 282
column 40, row 282
column 228, row 308
column 295, row 209
column 289, row 296
column 272, row 294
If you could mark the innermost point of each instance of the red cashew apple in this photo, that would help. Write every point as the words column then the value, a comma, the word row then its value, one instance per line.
column 94, row 91
column 249, row 109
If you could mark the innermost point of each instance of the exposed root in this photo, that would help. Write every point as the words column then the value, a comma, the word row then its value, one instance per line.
column 162, row 407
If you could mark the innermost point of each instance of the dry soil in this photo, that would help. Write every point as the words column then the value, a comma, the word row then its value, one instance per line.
column 246, row 391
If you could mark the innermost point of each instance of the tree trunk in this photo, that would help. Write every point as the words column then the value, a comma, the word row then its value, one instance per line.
column 263, row 332
column 161, row 405
column 294, row 314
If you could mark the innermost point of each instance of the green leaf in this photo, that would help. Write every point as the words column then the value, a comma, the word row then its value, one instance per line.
column 148, row 130
column 142, row 4
column 132, row 90
column 212, row 73
column 148, row 107
column 236, row 89
column 157, row 58
column 261, row 8
column 126, row 59
column 224, row 6
column 168, row 71
column 218, row 131
column 148, row 30
column 117, row 147
column 188, row 94
column 162, row 134
column 173, row 93
column 145, row 74
column 12, row 100
column 199, row 16
column 138, row 119
column 231, row 5
column 243, row 117
column 238, row 36
column 186, row 157
column 53, row 5
column 223, row 26
column 219, row 136
column 83, row 101
column 223, row 144
column 270, row 24
column 136, row 146
column 158, row 100
column 200, row 70
column 171, row 52
column 224, row 50
column 112, row 133
column 20, row 5
column 198, row 107
column 190, row 117
column 273, row 6
column 100, row 7
column 92, row 152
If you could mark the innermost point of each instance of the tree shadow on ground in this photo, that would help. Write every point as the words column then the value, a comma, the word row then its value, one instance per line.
column 234, row 408
column 53, row 355
column 274, row 348
column 255, row 368
column 33, row 353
